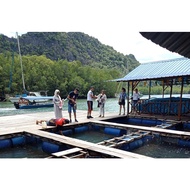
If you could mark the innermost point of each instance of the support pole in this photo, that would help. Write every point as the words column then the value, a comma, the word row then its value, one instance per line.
column 180, row 101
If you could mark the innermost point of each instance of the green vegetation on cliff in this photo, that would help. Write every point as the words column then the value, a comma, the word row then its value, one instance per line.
column 61, row 60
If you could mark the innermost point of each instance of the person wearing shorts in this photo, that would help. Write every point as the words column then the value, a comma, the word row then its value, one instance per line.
column 121, row 102
column 136, row 99
column 72, row 104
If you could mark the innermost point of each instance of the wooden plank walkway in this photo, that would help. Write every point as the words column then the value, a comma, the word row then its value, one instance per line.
column 145, row 128
column 66, row 152
column 86, row 145
column 27, row 123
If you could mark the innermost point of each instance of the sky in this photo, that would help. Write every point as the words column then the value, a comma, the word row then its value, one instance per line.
column 113, row 23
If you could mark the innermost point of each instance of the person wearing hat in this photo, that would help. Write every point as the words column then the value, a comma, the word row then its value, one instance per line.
column 55, row 122
column 57, row 104
column 72, row 103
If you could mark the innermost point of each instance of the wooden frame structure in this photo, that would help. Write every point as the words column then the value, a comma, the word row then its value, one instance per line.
column 182, row 107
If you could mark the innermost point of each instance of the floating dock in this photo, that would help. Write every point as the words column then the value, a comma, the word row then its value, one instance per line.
column 26, row 124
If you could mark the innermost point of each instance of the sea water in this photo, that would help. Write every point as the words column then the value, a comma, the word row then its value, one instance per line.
column 92, row 136
column 7, row 108
column 157, row 149
column 26, row 151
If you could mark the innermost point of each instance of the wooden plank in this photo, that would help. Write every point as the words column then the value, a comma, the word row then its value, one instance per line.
column 66, row 152
column 153, row 129
column 87, row 145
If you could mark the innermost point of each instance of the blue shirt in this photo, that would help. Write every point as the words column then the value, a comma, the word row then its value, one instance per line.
column 123, row 96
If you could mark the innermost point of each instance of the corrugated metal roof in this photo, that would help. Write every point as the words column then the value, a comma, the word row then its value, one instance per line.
column 178, row 42
column 159, row 69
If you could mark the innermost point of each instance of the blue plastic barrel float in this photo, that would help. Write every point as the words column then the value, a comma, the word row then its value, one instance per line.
column 135, row 121
column 186, row 125
column 184, row 143
column 95, row 127
column 149, row 122
column 147, row 138
column 20, row 140
column 5, row 143
column 128, row 146
column 114, row 131
column 50, row 147
column 135, row 144
column 81, row 129
column 67, row 132
column 33, row 140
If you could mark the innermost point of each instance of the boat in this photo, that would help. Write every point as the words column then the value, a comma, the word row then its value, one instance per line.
column 26, row 94
column 31, row 102
column 16, row 98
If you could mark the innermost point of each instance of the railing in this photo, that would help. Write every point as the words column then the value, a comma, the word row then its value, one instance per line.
column 165, row 106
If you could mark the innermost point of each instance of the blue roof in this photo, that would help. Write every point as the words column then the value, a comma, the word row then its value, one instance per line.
column 159, row 69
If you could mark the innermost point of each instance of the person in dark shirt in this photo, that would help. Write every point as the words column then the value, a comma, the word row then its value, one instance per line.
column 72, row 104
column 121, row 102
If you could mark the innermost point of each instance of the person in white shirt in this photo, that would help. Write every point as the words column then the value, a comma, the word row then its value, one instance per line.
column 135, row 98
column 101, row 102
column 90, row 97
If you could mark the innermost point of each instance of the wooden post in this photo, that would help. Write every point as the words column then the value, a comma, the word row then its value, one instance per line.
column 149, row 89
column 128, row 88
column 180, row 101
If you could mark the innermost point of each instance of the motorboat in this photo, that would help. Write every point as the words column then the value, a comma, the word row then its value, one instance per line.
column 31, row 102
column 16, row 98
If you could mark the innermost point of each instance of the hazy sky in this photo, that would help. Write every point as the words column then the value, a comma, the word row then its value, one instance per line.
column 114, row 23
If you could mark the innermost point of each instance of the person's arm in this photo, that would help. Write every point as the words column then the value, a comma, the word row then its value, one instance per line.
column 71, row 99
column 92, row 96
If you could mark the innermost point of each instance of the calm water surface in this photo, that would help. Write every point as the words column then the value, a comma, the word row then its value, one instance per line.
column 7, row 108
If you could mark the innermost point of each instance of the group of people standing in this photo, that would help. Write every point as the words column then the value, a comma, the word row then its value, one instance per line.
column 135, row 100
column 101, row 99
column 72, row 103
column 72, row 97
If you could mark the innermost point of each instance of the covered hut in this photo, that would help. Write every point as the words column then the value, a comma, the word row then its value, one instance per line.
column 168, row 73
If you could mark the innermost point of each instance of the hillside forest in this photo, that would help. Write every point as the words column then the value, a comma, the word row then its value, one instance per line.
column 59, row 60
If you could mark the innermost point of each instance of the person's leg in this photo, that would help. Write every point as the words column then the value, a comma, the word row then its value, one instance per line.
column 74, row 113
column 88, row 107
column 91, row 108
column 69, row 111
column 124, row 109
column 120, row 109
column 100, row 110
column 132, row 107
column 103, row 110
